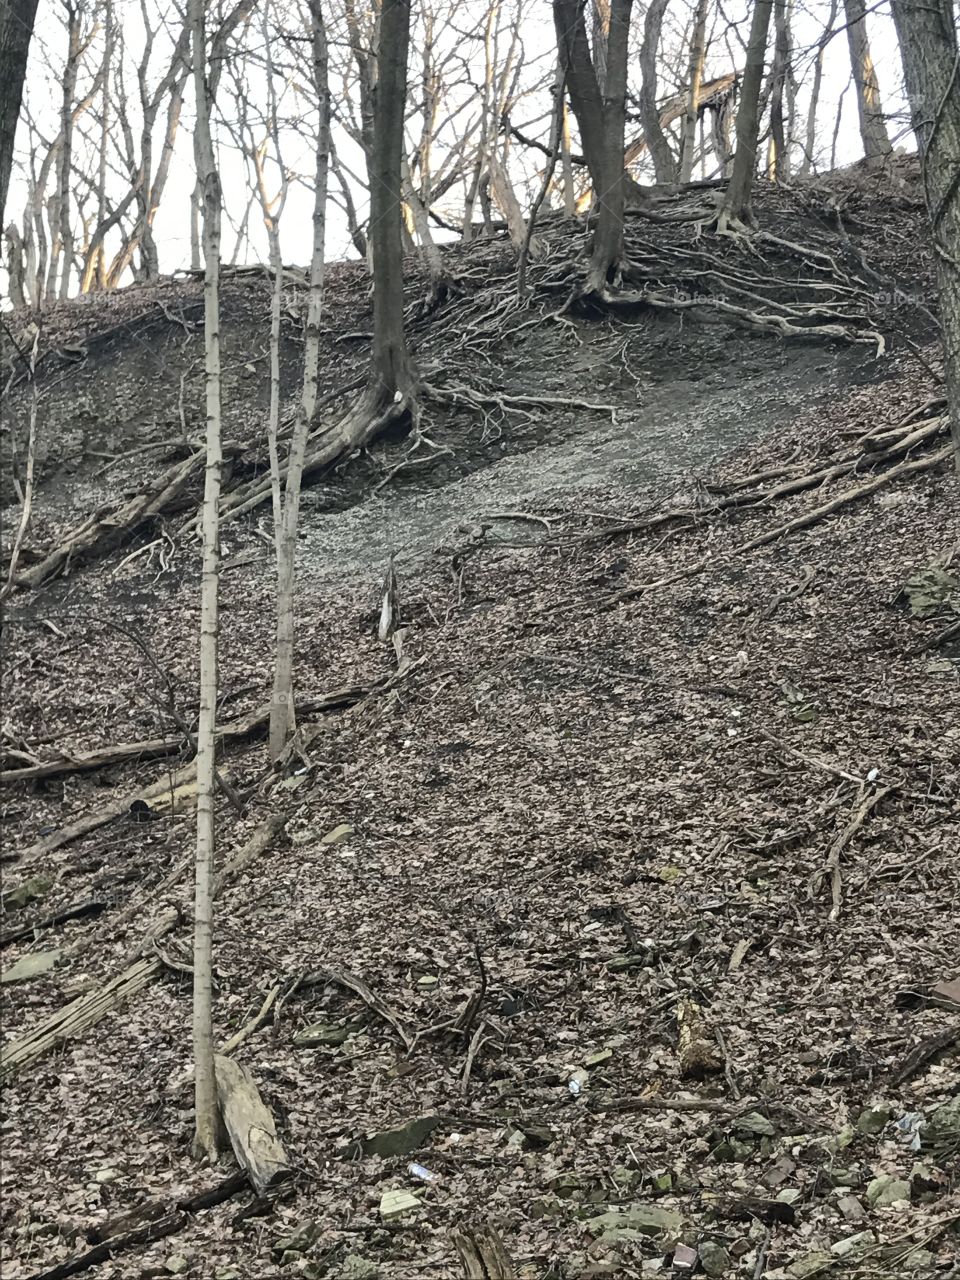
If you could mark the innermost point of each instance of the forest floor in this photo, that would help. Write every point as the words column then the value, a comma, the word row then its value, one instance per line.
column 643, row 838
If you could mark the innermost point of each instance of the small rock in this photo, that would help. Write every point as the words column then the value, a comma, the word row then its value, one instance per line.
column 886, row 1190
column 176, row 1264
column 684, row 1258
column 852, row 1209
column 106, row 1175
column 300, row 1239
column 400, row 1141
column 356, row 1268
column 754, row 1122
column 874, row 1120
column 853, row 1244
column 714, row 1258
column 649, row 1219
column 810, row 1264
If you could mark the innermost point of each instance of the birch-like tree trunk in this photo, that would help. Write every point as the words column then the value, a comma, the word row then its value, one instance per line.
column 698, row 52
column 208, row 1134
column 282, row 717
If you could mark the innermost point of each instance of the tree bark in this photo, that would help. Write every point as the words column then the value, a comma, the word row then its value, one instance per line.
column 811, row 137
column 736, row 203
column 208, row 1134
column 664, row 165
column 282, row 704
column 873, row 130
column 16, row 29
column 929, row 48
column 698, row 50
column 601, row 117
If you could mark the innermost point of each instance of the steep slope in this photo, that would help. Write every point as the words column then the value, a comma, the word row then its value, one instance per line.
column 621, row 766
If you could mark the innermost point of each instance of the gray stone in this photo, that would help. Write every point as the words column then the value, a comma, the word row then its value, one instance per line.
column 886, row 1190
column 714, row 1258
column 648, row 1219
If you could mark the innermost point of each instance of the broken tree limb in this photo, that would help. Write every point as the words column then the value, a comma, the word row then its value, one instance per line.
column 110, row 525
column 244, row 726
column 76, row 1017
column 344, row 978
column 253, row 1134
column 831, row 868
column 482, row 1254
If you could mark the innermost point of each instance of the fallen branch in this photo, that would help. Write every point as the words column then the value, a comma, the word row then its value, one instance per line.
column 253, row 1135
column 344, row 978
column 831, row 867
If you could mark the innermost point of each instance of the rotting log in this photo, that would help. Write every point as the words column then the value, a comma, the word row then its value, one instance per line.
column 253, row 1134
column 244, row 726
column 482, row 1254
column 85, row 1011
column 77, row 1016
column 105, row 528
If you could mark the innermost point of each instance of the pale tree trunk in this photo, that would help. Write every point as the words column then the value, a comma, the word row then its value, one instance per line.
column 208, row 1136
column 16, row 29
column 61, row 240
column 601, row 117
column 569, row 194
column 873, row 130
column 930, row 50
column 664, row 165
column 778, row 167
column 811, row 135
column 698, row 52
column 736, row 203
column 282, row 717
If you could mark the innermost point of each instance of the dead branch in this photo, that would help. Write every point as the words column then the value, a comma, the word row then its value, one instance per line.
column 831, row 867
column 344, row 978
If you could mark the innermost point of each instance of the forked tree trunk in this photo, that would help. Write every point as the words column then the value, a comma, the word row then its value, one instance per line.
column 207, row 1139
column 601, row 119
column 698, row 50
column 16, row 29
column 927, row 31
column 664, row 165
column 282, row 717
column 736, row 202
column 873, row 130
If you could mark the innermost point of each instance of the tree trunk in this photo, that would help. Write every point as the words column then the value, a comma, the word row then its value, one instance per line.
column 811, row 138
column 736, row 203
column 16, row 29
column 208, row 1135
column 664, row 165
column 601, row 118
column 282, row 717
column 927, row 31
column 873, row 130
column 698, row 51
column 392, row 383
column 778, row 164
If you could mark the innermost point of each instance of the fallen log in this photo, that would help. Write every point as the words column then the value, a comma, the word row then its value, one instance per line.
column 76, row 1017
column 482, row 1254
column 111, row 525
column 253, row 1135
column 244, row 726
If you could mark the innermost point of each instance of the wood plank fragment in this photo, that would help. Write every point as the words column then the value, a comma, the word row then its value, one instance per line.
column 253, row 1134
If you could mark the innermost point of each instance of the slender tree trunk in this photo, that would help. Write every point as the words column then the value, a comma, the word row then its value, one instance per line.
column 664, row 165
column 16, row 29
column 930, row 50
column 811, row 135
column 569, row 194
column 282, row 717
column 698, row 52
column 736, row 203
column 16, row 271
column 778, row 167
column 208, row 1135
column 601, row 118
column 873, row 130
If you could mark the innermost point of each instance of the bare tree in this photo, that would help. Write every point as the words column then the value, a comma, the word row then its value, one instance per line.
column 208, row 1136
column 286, row 513
column 873, row 130
column 735, row 209
column 601, row 117
column 16, row 30
column 930, row 50
column 698, row 51
column 664, row 164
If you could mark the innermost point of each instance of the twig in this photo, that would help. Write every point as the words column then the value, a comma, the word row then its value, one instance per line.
column 353, row 983
column 476, row 1044
column 31, row 466
column 831, row 867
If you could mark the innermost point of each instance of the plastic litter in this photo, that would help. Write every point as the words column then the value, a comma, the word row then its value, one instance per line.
column 418, row 1171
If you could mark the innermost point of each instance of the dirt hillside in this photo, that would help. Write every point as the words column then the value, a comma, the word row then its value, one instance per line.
column 627, row 867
